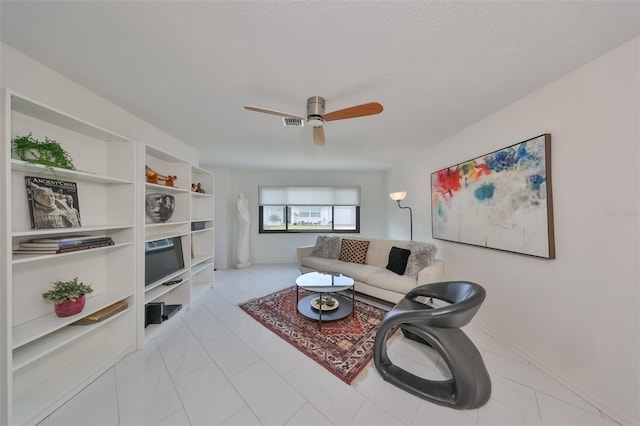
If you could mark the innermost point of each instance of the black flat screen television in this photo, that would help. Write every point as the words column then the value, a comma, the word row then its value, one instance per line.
column 162, row 258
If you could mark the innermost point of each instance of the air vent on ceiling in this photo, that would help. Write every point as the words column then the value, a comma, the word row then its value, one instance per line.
column 292, row 122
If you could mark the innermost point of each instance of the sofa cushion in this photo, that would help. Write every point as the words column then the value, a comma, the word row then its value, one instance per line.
column 385, row 279
column 357, row 271
column 321, row 264
column 354, row 251
column 327, row 247
column 378, row 253
column 398, row 260
column 422, row 255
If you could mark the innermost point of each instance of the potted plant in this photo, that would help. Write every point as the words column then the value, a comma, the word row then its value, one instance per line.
column 49, row 153
column 68, row 296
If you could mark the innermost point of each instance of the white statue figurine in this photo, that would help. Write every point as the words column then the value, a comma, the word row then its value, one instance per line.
column 242, row 213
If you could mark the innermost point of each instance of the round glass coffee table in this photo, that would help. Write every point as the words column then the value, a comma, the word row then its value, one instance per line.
column 325, row 304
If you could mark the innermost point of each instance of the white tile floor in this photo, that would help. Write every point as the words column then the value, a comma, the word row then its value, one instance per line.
column 216, row 365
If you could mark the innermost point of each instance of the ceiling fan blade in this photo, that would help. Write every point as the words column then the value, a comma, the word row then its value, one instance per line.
column 355, row 111
column 274, row 112
column 318, row 136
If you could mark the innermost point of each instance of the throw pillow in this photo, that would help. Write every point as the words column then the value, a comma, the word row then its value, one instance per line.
column 354, row 251
column 398, row 260
column 422, row 255
column 326, row 246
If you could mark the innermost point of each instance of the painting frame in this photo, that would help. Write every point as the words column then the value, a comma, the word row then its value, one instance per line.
column 501, row 200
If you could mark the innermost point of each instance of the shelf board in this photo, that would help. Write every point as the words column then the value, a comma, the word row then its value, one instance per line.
column 200, row 171
column 40, row 112
column 57, row 231
column 24, row 258
column 158, row 291
column 164, row 188
column 50, row 323
column 197, row 262
column 58, row 173
column 165, row 279
column 29, row 353
column 197, row 231
column 201, row 195
column 161, row 233
column 155, row 226
column 158, row 153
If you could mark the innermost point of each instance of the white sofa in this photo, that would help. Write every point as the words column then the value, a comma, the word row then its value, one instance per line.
column 372, row 278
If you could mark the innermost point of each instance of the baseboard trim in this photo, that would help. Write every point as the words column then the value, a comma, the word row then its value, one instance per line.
column 597, row 402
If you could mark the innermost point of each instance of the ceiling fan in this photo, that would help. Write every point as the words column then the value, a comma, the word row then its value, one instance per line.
column 316, row 115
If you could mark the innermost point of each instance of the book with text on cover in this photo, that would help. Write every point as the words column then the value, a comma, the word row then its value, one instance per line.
column 52, row 203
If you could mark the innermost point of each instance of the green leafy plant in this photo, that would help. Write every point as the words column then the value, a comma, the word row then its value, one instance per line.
column 66, row 290
column 49, row 153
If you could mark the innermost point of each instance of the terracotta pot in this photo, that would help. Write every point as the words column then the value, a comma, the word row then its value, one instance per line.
column 69, row 307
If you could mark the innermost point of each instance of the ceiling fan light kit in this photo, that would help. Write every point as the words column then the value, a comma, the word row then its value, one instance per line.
column 315, row 120
column 316, row 115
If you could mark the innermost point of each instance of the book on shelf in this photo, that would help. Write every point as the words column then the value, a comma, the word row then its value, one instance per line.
column 52, row 203
column 103, row 314
column 63, row 238
column 45, row 250
column 64, row 242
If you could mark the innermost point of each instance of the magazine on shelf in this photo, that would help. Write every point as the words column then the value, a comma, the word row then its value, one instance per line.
column 64, row 242
column 44, row 250
column 52, row 203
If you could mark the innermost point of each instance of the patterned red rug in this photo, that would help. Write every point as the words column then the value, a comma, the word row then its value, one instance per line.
column 344, row 347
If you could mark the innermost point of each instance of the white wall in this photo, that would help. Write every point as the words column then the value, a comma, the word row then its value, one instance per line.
column 29, row 78
column 281, row 248
column 576, row 316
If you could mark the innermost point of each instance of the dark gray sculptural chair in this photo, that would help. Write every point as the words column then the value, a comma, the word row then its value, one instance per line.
column 470, row 385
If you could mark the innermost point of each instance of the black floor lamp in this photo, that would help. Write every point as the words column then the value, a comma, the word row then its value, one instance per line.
column 397, row 197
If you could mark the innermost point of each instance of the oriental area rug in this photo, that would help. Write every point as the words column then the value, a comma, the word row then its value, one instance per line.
column 344, row 347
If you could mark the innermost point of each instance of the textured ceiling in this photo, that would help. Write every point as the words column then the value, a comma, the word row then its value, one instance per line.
column 189, row 67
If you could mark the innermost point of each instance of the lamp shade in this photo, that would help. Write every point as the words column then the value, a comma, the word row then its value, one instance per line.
column 397, row 196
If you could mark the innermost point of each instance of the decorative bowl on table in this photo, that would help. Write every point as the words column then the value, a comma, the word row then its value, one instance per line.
column 160, row 207
column 326, row 302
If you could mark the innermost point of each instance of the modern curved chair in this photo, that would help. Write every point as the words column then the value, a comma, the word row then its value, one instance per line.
column 438, row 327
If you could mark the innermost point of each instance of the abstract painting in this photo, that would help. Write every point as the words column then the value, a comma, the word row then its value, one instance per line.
column 500, row 200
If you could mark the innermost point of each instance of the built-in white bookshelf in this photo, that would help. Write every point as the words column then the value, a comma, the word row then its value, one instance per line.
column 45, row 359
column 202, row 236
column 196, row 245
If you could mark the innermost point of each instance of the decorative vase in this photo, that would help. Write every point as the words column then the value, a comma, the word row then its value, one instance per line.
column 70, row 307
column 160, row 207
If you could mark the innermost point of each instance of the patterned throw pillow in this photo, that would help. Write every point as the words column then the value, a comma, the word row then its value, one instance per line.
column 422, row 255
column 354, row 251
column 327, row 247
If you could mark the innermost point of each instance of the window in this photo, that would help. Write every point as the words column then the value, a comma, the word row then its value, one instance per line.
column 309, row 209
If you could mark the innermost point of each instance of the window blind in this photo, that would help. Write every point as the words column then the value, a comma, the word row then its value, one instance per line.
column 309, row 195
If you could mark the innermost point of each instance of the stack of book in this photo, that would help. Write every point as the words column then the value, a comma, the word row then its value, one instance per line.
column 64, row 244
